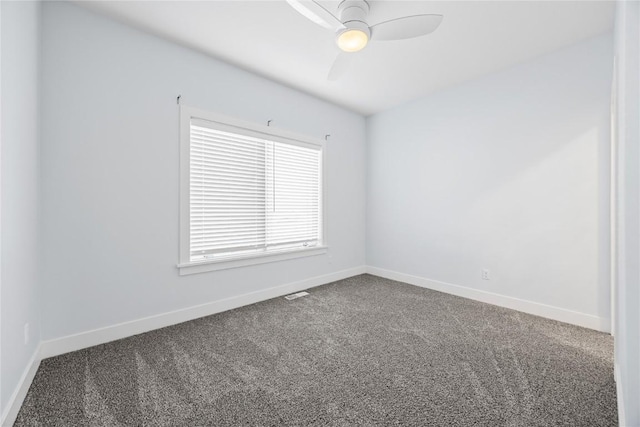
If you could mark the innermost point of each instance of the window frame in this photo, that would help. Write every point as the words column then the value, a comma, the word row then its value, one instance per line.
column 185, row 265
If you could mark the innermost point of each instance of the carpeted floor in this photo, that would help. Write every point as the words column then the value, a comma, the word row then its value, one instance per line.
column 362, row 351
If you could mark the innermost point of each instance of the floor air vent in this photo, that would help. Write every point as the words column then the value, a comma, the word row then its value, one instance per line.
column 296, row 295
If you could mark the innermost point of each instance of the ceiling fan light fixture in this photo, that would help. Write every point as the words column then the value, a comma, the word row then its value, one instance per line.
column 352, row 40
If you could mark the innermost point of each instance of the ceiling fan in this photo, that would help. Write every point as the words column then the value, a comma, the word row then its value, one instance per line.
column 352, row 32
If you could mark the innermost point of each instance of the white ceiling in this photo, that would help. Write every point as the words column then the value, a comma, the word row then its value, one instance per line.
column 273, row 40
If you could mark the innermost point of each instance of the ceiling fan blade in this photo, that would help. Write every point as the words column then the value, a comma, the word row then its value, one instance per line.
column 340, row 66
column 406, row 27
column 316, row 13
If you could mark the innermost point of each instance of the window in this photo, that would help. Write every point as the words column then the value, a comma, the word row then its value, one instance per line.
column 249, row 193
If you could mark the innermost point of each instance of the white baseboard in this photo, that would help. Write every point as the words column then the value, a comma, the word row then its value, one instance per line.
column 619, row 393
column 15, row 401
column 556, row 313
column 111, row 333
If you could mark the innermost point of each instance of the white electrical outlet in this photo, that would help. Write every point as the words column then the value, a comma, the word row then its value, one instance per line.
column 26, row 333
column 486, row 274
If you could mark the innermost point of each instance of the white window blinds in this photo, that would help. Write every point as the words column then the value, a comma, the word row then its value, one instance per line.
column 251, row 195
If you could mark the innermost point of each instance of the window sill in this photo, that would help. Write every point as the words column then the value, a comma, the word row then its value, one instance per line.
column 223, row 264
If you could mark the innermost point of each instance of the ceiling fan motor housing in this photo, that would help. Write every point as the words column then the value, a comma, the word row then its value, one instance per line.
column 353, row 14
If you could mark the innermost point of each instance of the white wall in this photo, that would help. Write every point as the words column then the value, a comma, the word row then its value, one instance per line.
column 509, row 172
column 19, row 191
column 627, row 122
column 110, row 172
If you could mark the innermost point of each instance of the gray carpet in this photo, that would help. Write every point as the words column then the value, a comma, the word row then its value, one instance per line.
column 362, row 351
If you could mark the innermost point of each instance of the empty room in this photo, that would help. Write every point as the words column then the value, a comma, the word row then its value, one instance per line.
column 320, row 213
